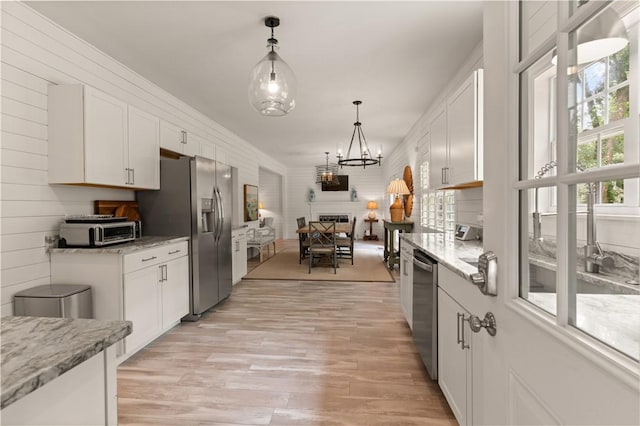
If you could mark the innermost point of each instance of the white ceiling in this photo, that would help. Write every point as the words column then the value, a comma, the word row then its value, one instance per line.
column 394, row 56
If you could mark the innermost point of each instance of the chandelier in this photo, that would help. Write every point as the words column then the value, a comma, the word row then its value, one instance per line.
column 327, row 173
column 272, row 89
column 364, row 157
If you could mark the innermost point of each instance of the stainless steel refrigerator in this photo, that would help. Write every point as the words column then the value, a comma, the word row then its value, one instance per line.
column 195, row 199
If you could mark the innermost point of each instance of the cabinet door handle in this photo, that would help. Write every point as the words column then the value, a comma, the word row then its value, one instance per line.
column 133, row 176
column 128, row 182
column 184, row 137
column 458, row 326
column 174, row 252
column 166, row 274
column 404, row 267
column 163, row 273
column 463, row 343
column 149, row 258
column 442, row 175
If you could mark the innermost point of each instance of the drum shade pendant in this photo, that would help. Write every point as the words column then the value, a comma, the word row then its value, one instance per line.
column 272, row 89
column 327, row 173
column 363, row 157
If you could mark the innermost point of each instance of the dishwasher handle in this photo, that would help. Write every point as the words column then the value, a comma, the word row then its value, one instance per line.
column 422, row 265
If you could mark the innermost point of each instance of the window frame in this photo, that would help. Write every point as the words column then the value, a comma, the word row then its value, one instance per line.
column 569, row 20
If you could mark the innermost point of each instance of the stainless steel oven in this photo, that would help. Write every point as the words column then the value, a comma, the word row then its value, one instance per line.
column 425, row 310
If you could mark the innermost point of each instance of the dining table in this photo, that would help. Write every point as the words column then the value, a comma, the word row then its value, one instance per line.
column 340, row 227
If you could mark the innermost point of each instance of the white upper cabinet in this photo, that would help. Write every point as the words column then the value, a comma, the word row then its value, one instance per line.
column 207, row 150
column 464, row 129
column 175, row 138
column 456, row 137
column 438, row 149
column 144, row 149
column 90, row 140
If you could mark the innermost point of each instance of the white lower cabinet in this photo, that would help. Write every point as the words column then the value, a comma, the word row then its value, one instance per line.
column 175, row 291
column 406, row 283
column 149, row 287
column 142, row 306
column 239, row 257
column 455, row 345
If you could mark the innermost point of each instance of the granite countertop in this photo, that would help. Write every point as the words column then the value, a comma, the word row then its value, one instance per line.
column 614, row 283
column 124, row 248
column 611, row 318
column 447, row 253
column 36, row 350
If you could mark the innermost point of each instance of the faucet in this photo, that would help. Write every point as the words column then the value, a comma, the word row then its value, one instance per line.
column 594, row 257
column 537, row 222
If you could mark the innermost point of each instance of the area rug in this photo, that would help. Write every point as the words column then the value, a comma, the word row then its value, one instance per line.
column 368, row 265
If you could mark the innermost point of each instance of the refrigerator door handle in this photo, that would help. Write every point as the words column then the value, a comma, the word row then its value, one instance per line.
column 220, row 212
column 215, row 215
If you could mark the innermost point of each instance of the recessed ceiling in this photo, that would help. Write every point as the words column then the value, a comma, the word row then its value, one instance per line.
column 394, row 56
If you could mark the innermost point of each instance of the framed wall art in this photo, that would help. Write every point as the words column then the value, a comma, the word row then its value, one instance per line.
column 250, row 203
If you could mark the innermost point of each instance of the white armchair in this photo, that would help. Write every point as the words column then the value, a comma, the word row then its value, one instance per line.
column 261, row 237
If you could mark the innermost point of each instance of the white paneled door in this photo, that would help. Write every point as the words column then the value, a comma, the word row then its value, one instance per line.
column 536, row 370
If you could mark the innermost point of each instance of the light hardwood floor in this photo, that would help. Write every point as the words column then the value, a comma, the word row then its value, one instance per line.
column 286, row 353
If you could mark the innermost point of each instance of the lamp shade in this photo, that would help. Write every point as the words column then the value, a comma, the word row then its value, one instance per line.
column 398, row 187
column 260, row 205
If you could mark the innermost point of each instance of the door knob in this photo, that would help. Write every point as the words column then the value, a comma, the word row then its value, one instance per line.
column 489, row 322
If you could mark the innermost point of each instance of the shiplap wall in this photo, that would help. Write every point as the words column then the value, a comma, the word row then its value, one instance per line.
column 539, row 21
column 369, row 186
column 270, row 194
column 35, row 54
column 415, row 147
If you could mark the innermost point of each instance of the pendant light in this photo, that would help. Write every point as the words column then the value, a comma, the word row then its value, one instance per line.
column 364, row 157
column 327, row 173
column 602, row 36
column 272, row 89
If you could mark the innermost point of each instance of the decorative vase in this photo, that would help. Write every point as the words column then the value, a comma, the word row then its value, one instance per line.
column 312, row 195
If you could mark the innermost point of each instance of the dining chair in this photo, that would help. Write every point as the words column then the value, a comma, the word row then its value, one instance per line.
column 302, row 239
column 345, row 245
column 322, row 242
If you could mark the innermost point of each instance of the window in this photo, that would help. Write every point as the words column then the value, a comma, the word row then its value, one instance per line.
column 579, row 154
column 438, row 210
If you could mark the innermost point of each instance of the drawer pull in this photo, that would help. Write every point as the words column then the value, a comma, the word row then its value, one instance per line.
column 149, row 258
column 174, row 252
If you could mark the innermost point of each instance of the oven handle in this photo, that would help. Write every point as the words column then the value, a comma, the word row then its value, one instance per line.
column 424, row 266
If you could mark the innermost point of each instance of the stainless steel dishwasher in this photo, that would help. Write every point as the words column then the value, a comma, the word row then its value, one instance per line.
column 425, row 310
